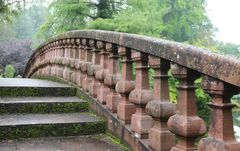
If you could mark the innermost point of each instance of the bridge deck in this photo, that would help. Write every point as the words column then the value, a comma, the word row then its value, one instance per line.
column 21, row 82
column 80, row 143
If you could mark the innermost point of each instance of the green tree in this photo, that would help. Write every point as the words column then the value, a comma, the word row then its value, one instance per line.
column 229, row 49
column 179, row 20
column 139, row 17
column 8, row 10
column 9, row 71
column 186, row 20
column 68, row 15
column 28, row 21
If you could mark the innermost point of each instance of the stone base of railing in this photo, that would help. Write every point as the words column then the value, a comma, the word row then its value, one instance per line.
column 115, row 126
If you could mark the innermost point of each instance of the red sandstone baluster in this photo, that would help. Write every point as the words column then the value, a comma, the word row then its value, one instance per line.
column 94, row 68
column 72, row 61
column 38, row 61
column 61, row 58
column 185, row 123
column 160, row 108
column 125, row 109
column 53, row 58
column 49, row 62
column 111, row 79
column 140, row 96
column 100, row 75
column 41, row 60
column 42, row 64
column 90, row 69
column 88, row 62
column 66, row 62
column 221, row 135
column 48, row 55
column 77, row 61
column 57, row 58
column 83, row 61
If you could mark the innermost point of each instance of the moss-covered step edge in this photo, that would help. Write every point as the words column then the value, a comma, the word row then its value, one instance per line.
column 38, row 91
column 52, row 130
column 79, row 94
column 63, row 107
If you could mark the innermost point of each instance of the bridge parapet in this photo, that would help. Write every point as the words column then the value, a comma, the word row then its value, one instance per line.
column 101, row 63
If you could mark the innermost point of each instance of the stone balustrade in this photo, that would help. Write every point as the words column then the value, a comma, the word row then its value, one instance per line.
column 113, row 69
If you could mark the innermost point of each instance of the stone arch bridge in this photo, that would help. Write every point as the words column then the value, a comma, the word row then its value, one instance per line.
column 109, row 71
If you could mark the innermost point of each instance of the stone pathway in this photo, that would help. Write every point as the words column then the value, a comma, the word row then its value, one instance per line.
column 81, row 143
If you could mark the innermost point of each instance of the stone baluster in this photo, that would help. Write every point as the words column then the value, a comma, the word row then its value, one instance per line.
column 41, row 60
column 91, row 64
column 78, row 54
column 94, row 86
column 160, row 108
column 111, row 79
column 38, row 62
column 57, row 57
column 43, row 67
column 86, row 64
column 49, row 61
column 141, row 122
column 72, row 61
column 221, row 134
column 66, row 60
column 125, row 108
column 53, row 56
column 82, row 62
column 61, row 57
column 100, row 74
column 185, row 124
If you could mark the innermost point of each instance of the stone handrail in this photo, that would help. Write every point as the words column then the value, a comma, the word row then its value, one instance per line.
column 91, row 59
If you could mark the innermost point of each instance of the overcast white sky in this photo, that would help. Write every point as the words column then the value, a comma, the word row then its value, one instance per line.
column 225, row 15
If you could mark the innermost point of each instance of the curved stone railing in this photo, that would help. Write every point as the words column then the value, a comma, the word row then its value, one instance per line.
column 91, row 59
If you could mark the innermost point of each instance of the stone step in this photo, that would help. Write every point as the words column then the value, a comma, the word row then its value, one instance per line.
column 73, row 143
column 34, row 87
column 43, row 125
column 9, row 105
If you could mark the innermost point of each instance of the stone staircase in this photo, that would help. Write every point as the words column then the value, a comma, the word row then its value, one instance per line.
column 33, row 108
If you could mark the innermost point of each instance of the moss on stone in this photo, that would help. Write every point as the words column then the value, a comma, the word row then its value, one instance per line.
column 114, row 140
column 44, row 107
column 30, row 91
column 34, row 131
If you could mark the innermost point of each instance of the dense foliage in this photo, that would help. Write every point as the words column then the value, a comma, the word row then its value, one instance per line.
column 74, row 14
column 15, row 52
column 17, row 33
column 9, row 71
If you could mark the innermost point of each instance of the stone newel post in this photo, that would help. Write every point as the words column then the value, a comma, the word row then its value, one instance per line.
column 125, row 109
column 185, row 123
column 111, row 79
column 221, row 135
column 141, row 122
column 160, row 138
